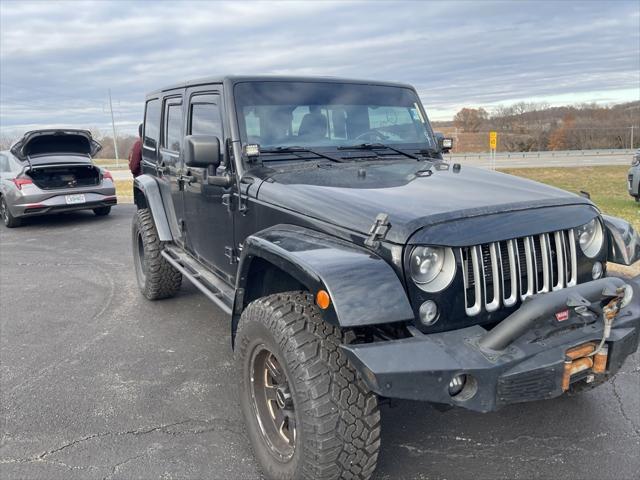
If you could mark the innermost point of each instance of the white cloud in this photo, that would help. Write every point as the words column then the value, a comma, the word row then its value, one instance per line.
column 58, row 59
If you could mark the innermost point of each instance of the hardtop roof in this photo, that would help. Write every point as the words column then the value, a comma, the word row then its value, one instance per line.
column 233, row 79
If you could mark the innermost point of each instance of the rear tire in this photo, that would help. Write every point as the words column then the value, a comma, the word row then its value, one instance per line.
column 156, row 277
column 335, row 418
column 102, row 211
column 9, row 220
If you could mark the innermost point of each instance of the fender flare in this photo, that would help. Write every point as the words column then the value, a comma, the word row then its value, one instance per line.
column 364, row 289
column 146, row 194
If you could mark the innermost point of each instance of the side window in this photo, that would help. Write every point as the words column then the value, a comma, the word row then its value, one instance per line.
column 152, row 124
column 4, row 164
column 172, row 126
column 204, row 116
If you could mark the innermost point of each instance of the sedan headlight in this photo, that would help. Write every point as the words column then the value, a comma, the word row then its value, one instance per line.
column 591, row 238
column 432, row 268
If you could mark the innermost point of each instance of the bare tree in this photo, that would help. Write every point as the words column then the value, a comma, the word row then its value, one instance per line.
column 470, row 119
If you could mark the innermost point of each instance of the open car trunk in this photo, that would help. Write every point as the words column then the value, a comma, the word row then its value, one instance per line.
column 48, row 177
column 55, row 142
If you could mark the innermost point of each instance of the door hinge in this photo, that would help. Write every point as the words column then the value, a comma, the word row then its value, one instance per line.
column 378, row 230
column 231, row 254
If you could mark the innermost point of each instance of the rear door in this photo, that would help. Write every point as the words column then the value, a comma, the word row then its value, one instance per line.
column 169, row 165
column 209, row 221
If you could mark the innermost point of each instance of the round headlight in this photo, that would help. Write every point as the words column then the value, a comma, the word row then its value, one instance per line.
column 432, row 268
column 426, row 263
column 590, row 238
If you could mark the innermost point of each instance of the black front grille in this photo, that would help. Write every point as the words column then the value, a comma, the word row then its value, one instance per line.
column 505, row 272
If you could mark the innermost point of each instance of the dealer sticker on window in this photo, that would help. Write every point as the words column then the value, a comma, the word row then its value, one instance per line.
column 74, row 199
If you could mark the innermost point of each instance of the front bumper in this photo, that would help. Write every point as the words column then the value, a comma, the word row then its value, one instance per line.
column 530, row 368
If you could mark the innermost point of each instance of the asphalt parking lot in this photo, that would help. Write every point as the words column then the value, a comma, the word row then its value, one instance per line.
column 97, row 382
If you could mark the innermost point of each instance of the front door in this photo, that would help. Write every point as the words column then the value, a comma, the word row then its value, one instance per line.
column 209, row 222
column 170, row 157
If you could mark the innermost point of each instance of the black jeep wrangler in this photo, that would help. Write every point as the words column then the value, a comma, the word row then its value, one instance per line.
column 355, row 264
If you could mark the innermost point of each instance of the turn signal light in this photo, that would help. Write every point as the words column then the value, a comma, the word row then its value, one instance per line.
column 323, row 300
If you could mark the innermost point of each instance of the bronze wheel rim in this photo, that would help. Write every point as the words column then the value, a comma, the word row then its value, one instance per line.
column 273, row 404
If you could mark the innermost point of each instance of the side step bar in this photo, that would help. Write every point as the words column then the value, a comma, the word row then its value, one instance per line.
column 206, row 282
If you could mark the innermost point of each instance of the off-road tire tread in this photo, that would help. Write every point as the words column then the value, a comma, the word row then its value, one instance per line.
column 162, row 279
column 341, row 415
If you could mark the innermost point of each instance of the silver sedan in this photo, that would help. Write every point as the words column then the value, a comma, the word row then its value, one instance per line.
column 50, row 171
column 633, row 179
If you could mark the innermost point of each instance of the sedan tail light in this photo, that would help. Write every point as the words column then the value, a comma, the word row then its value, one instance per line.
column 107, row 174
column 20, row 181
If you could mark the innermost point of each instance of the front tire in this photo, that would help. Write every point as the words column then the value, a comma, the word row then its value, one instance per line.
column 102, row 211
column 9, row 220
column 308, row 412
column 156, row 277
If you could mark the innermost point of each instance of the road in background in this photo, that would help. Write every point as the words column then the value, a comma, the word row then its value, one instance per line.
column 98, row 382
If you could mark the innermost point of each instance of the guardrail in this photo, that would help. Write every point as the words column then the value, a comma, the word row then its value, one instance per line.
column 545, row 154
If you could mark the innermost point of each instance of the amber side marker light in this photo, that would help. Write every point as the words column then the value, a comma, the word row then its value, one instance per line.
column 323, row 300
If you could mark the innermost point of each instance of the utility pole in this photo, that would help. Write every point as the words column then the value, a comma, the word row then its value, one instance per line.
column 632, row 136
column 113, row 126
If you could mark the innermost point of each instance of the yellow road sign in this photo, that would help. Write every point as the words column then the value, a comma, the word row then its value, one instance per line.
column 493, row 140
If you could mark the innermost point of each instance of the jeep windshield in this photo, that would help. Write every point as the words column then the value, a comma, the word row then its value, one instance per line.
column 330, row 116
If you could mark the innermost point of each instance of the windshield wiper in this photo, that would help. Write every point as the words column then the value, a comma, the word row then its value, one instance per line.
column 296, row 149
column 378, row 146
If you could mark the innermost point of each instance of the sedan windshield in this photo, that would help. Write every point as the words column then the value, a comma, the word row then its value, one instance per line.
column 315, row 114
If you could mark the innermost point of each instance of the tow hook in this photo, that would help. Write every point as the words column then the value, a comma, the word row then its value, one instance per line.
column 590, row 356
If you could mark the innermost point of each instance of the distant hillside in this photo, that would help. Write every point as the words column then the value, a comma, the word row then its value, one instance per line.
column 531, row 127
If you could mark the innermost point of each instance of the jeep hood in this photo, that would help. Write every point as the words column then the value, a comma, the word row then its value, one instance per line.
column 414, row 194
column 55, row 142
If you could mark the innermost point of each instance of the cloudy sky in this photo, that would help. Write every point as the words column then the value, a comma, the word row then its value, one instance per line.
column 59, row 59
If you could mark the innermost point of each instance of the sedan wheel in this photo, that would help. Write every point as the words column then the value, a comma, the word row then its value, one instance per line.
column 9, row 220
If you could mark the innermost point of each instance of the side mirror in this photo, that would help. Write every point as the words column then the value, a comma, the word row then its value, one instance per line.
column 201, row 151
column 624, row 242
column 444, row 143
